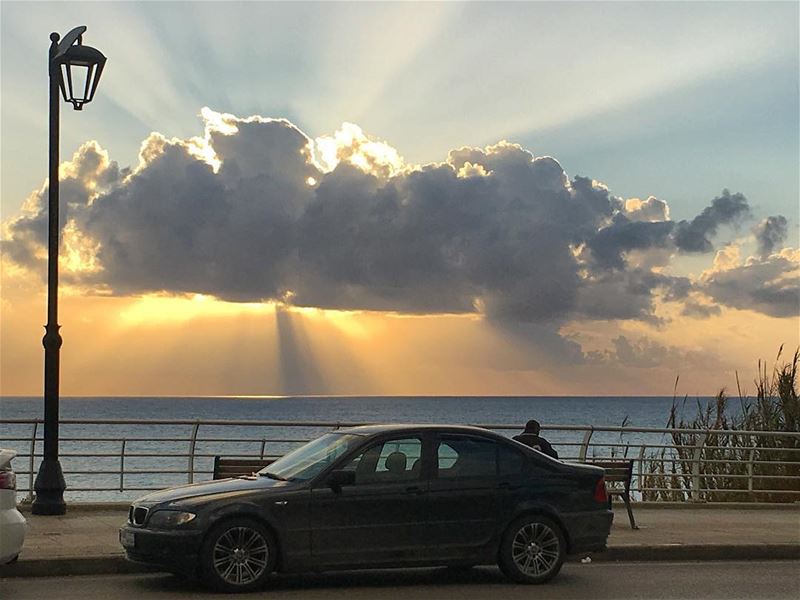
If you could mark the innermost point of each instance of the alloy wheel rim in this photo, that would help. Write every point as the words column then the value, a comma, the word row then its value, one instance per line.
column 240, row 555
column 535, row 549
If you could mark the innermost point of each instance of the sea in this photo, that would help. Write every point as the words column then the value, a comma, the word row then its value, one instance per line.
column 154, row 456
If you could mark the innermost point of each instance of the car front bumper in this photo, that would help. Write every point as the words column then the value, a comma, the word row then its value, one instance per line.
column 175, row 550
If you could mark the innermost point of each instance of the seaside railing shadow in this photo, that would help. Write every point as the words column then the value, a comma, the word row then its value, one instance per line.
column 714, row 467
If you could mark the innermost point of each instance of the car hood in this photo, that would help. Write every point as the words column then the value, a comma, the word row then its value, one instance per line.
column 211, row 488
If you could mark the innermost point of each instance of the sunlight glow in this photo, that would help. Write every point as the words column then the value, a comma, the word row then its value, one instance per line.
column 78, row 250
column 351, row 145
column 156, row 308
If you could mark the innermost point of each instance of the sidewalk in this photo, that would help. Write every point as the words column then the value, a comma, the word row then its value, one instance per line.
column 85, row 541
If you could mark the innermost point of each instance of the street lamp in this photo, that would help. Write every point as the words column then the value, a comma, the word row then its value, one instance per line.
column 81, row 67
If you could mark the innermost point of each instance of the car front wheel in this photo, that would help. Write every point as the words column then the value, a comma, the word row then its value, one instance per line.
column 532, row 550
column 237, row 556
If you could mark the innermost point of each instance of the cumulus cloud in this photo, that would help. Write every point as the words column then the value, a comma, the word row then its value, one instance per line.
column 256, row 210
column 770, row 233
column 651, row 209
column 770, row 285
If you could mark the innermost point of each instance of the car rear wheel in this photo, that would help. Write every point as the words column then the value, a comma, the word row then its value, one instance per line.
column 532, row 550
column 237, row 556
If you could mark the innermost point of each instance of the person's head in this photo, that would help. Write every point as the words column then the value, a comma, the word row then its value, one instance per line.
column 532, row 426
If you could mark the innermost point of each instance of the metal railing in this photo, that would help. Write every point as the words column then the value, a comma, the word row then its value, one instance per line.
column 103, row 459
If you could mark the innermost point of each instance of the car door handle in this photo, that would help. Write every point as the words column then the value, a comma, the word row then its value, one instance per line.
column 414, row 490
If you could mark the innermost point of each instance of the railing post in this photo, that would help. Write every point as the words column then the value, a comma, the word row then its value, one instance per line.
column 640, row 470
column 696, row 457
column 122, row 466
column 263, row 445
column 585, row 444
column 750, row 469
column 32, row 461
column 192, row 445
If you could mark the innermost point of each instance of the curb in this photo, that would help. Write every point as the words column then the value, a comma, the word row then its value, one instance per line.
column 25, row 508
column 119, row 565
column 790, row 506
column 83, row 565
column 699, row 552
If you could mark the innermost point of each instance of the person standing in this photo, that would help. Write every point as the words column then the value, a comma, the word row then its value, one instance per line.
column 530, row 437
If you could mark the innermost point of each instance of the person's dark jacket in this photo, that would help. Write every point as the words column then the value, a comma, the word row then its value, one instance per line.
column 537, row 443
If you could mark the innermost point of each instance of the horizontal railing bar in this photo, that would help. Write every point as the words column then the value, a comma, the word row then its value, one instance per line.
column 575, row 459
column 153, row 455
column 130, row 472
column 721, row 476
column 323, row 424
column 715, row 491
column 162, row 439
column 297, row 441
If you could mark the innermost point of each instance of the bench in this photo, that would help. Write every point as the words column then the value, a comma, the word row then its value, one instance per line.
column 236, row 467
column 618, row 472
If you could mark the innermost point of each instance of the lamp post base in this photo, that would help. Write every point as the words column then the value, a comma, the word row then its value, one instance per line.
column 49, row 487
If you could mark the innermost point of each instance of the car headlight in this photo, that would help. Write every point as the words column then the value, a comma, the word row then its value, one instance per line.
column 167, row 519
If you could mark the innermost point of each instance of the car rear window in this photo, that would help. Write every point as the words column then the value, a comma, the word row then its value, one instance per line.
column 462, row 456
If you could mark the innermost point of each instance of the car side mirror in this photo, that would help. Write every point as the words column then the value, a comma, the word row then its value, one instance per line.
column 339, row 478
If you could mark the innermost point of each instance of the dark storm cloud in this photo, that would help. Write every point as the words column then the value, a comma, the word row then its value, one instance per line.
column 610, row 243
column 770, row 233
column 494, row 230
column 693, row 236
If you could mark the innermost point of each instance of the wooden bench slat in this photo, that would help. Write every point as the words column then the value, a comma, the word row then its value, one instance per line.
column 618, row 471
column 237, row 467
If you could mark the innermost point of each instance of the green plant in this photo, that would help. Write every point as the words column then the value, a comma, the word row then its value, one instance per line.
column 735, row 466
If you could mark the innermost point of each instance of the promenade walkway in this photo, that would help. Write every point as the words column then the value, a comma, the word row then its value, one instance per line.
column 85, row 541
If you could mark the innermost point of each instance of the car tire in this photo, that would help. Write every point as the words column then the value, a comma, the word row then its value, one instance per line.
column 532, row 550
column 237, row 555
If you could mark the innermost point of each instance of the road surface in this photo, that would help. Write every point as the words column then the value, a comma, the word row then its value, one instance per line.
column 707, row 580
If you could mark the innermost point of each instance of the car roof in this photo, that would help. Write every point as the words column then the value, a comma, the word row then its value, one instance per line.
column 379, row 428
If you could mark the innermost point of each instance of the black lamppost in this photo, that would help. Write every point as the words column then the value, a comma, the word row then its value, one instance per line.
column 81, row 66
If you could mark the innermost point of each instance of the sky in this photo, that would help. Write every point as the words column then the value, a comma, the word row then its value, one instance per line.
column 406, row 198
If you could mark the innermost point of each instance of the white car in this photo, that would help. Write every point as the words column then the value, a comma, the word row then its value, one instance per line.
column 12, row 523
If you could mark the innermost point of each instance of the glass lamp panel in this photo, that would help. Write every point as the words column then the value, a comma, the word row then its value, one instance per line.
column 79, row 84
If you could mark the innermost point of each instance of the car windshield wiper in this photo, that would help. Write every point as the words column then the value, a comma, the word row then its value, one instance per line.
column 272, row 476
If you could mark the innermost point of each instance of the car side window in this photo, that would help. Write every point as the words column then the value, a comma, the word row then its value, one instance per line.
column 509, row 461
column 387, row 462
column 462, row 456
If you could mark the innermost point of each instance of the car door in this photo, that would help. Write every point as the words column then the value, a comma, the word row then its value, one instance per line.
column 463, row 496
column 380, row 518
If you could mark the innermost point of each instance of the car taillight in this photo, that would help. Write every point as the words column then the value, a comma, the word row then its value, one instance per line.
column 8, row 480
column 600, row 494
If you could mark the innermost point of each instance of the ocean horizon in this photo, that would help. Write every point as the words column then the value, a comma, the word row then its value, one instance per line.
column 640, row 411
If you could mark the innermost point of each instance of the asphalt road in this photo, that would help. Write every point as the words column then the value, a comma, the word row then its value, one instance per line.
column 723, row 580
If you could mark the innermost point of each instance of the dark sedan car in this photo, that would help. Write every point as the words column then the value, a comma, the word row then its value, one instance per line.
column 378, row 496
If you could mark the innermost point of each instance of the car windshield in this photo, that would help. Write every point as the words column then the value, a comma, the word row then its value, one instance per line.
column 309, row 460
